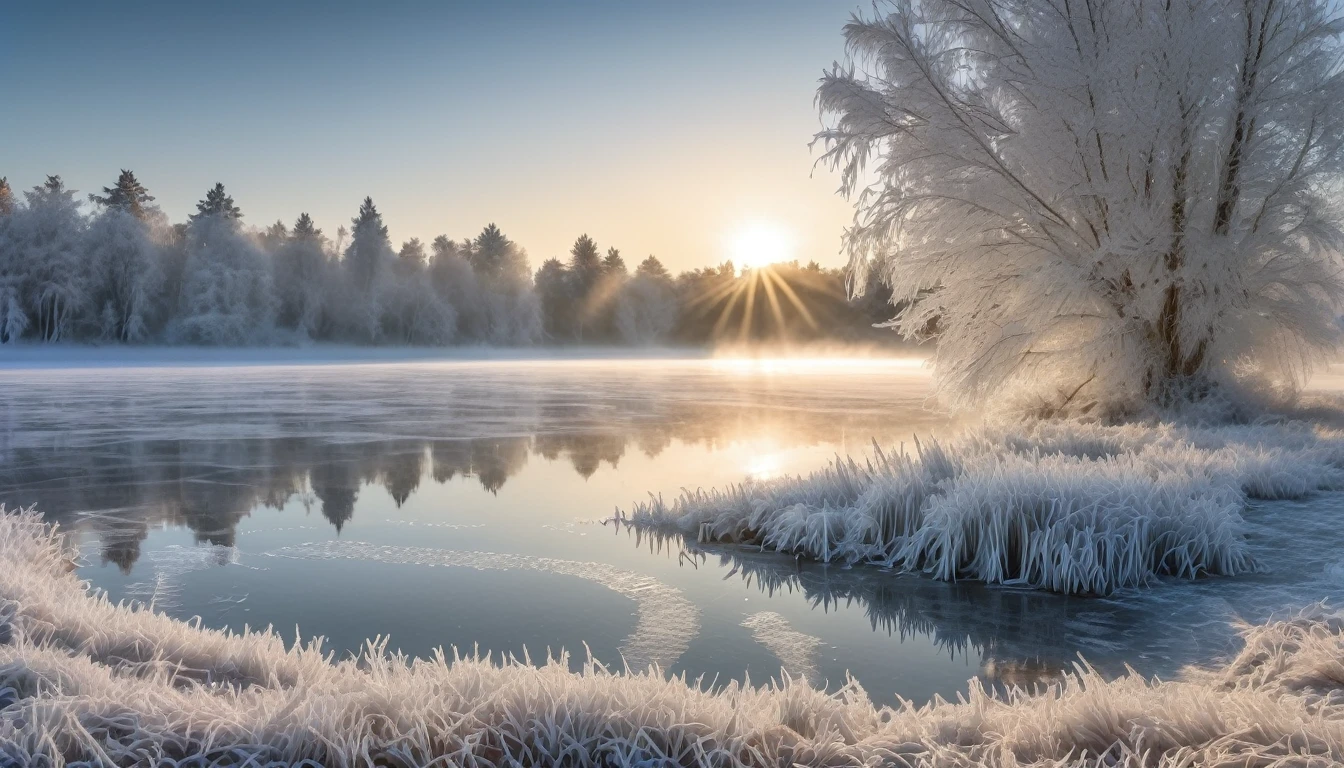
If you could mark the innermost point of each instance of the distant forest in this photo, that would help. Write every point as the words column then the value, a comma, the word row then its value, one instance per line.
column 120, row 272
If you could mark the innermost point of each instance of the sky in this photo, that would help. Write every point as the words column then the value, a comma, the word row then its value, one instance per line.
column 664, row 128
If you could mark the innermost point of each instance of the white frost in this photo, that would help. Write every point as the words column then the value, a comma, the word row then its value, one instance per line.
column 796, row 651
column 84, row 680
column 1068, row 507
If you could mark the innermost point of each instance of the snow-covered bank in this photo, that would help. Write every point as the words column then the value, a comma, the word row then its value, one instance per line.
column 1068, row 507
column 83, row 680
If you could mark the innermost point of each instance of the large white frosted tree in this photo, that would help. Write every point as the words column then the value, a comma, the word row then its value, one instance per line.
column 124, row 274
column 1118, row 200
column 44, row 261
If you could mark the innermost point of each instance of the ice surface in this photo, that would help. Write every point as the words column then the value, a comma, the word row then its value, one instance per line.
column 797, row 652
column 170, row 565
column 667, row 622
column 83, row 680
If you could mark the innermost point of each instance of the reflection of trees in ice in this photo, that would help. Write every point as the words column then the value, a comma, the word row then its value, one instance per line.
column 170, row 564
column 202, row 448
column 667, row 621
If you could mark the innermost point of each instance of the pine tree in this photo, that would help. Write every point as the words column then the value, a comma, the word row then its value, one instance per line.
column 552, row 286
column 613, row 264
column 217, row 203
column 412, row 254
column 304, row 229
column 585, row 271
column 498, row 261
column 6, row 197
column 585, row 265
column 275, row 235
column 654, row 268
column 366, row 262
column 128, row 195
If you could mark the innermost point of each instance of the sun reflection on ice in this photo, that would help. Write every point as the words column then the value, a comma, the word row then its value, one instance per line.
column 765, row 466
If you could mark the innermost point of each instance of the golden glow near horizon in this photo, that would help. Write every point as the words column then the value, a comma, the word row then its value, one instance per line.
column 759, row 244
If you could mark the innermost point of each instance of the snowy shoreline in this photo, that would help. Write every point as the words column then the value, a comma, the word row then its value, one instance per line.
column 84, row 680
column 1062, row 506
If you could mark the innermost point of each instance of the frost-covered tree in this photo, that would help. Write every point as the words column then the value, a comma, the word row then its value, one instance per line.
column 226, row 284
column 124, row 271
column 585, row 272
column 301, row 278
column 275, row 236
column 6, row 197
column 646, row 308
column 412, row 255
column 128, row 195
column 1124, row 200
column 552, row 286
column 653, row 267
column 414, row 312
column 451, row 275
column 613, row 263
column 498, row 261
column 45, row 271
column 367, row 261
column 13, row 320
column 217, row 203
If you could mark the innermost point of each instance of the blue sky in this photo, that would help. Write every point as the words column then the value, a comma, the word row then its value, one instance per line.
column 656, row 127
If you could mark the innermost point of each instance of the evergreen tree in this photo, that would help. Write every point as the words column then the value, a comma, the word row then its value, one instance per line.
column 6, row 197
column 304, row 229
column 585, row 271
column 613, row 264
column 370, row 248
column 654, row 268
column 498, row 261
column 412, row 254
column 275, row 235
column 366, row 262
column 302, row 278
column 128, row 195
column 217, row 203
column 552, row 286
column 585, row 266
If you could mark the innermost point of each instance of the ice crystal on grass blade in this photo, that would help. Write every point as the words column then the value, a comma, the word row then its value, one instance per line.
column 1071, row 508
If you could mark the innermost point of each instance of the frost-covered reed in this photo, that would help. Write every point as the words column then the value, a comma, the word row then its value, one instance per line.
column 1067, row 507
column 84, row 682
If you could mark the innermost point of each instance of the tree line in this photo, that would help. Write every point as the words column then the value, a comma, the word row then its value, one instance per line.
column 118, row 271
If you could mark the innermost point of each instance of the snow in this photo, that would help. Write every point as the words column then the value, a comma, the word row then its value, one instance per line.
column 1066, row 507
column 84, row 680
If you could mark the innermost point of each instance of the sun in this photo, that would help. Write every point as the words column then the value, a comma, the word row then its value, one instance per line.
column 760, row 244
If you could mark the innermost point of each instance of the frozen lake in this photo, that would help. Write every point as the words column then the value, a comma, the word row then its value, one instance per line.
column 459, row 503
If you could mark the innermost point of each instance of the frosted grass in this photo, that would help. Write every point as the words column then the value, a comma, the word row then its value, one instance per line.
column 1067, row 507
column 83, row 681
